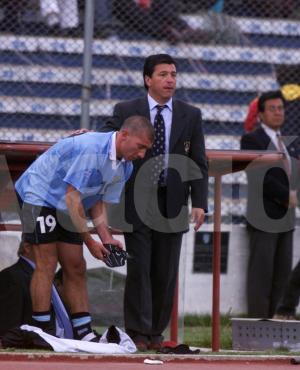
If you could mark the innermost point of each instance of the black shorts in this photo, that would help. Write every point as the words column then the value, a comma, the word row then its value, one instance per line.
column 43, row 225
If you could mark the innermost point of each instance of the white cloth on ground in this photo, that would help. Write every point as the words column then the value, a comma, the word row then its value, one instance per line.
column 126, row 345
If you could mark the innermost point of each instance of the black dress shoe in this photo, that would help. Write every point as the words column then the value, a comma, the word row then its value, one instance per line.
column 181, row 349
column 141, row 346
column 154, row 346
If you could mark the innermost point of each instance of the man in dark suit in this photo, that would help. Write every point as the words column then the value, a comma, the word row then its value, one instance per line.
column 15, row 300
column 156, row 200
column 272, row 198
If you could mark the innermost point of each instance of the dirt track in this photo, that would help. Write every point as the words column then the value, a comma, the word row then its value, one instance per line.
column 41, row 361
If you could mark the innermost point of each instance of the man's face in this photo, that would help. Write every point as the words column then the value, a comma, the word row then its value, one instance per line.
column 28, row 251
column 273, row 116
column 162, row 83
column 132, row 146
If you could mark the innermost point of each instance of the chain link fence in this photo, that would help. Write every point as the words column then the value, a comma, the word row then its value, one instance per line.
column 228, row 52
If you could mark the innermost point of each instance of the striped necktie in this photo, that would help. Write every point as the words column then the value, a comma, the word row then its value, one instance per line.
column 285, row 160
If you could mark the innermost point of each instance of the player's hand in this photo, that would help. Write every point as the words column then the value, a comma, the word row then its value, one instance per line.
column 113, row 241
column 97, row 249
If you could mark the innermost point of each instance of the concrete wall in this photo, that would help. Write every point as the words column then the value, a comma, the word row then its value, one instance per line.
column 198, row 286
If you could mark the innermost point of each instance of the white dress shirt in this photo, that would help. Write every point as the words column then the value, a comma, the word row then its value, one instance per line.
column 273, row 135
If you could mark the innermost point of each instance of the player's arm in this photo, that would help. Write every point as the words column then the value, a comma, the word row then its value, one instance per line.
column 99, row 218
column 78, row 216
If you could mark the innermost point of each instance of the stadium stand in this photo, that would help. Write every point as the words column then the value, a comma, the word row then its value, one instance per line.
column 41, row 82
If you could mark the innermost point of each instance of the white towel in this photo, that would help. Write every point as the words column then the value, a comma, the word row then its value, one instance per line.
column 126, row 345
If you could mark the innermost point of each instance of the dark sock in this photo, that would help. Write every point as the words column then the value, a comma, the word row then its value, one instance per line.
column 82, row 329
column 42, row 320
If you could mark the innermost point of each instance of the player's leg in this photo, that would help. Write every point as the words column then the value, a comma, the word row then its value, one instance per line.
column 70, row 255
column 40, row 230
column 45, row 257
column 75, row 290
column 74, row 276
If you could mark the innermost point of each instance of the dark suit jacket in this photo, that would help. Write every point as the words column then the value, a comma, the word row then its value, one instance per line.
column 15, row 301
column 186, row 141
column 273, row 193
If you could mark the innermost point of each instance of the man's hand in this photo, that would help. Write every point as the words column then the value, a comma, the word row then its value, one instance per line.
column 293, row 200
column 97, row 249
column 113, row 241
column 197, row 216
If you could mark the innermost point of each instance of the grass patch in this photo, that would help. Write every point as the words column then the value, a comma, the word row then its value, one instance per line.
column 204, row 320
column 198, row 331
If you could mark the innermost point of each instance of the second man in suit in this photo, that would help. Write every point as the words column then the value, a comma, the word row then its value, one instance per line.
column 272, row 198
column 156, row 199
column 15, row 299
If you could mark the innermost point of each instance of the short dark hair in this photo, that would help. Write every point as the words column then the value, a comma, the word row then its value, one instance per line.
column 21, row 248
column 24, row 248
column 275, row 94
column 136, row 124
column 153, row 60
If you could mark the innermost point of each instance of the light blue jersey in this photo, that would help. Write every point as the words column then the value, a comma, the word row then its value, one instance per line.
column 82, row 161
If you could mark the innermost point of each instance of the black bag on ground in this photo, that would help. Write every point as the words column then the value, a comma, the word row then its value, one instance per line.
column 18, row 338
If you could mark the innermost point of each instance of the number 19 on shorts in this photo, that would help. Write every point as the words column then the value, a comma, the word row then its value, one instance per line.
column 47, row 223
